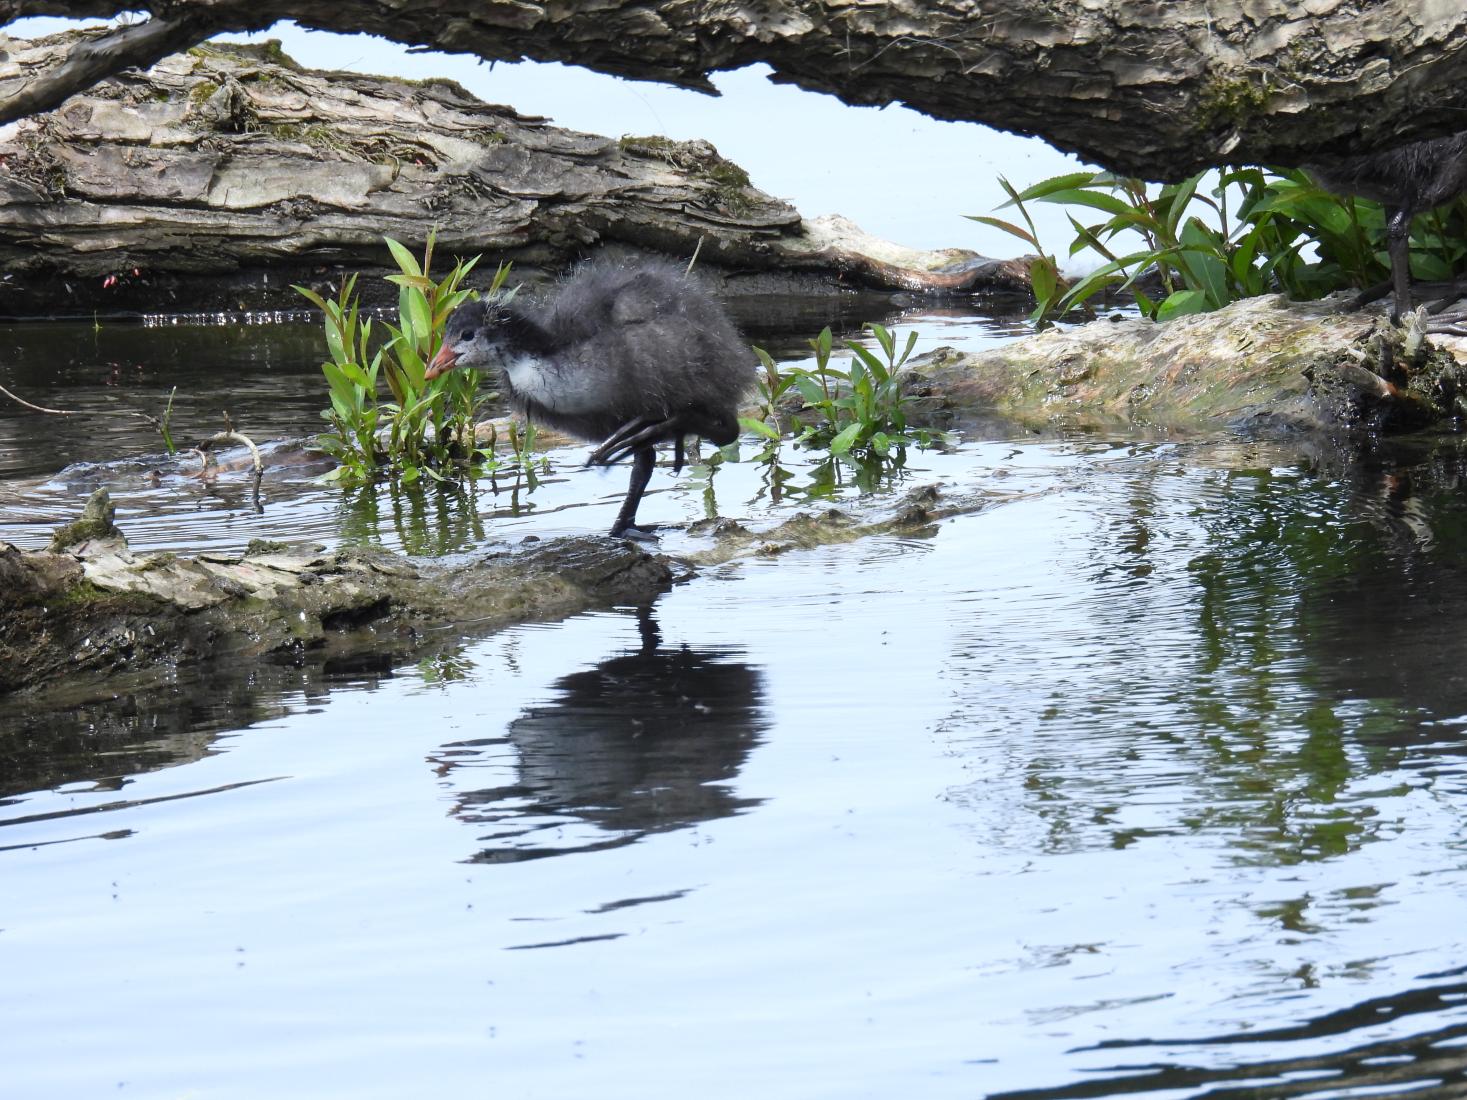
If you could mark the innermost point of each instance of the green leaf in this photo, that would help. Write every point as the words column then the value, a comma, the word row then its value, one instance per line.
column 1199, row 260
column 405, row 259
column 758, row 427
column 1180, row 199
column 907, row 351
column 884, row 338
column 1044, row 188
column 310, row 296
column 414, row 282
column 865, row 357
column 1008, row 227
column 1180, row 303
column 1099, row 200
column 809, row 389
column 844, row 440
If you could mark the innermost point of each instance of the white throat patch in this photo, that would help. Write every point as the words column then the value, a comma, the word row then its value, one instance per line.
column 568, row 392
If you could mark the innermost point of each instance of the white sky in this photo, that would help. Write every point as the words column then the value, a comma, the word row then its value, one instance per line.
column 896, row 173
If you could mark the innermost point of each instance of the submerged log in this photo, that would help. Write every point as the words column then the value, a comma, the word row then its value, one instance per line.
column 88, row 608
column 224, row 174
column 89, row 605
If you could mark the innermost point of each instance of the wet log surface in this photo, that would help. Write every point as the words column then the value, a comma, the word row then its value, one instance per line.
column 88, row 606
column 222, row 175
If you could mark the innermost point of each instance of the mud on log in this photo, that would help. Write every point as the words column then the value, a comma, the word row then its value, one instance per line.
column 232, row 164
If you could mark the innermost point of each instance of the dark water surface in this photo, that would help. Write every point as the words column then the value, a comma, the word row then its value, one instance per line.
column 1147, row 776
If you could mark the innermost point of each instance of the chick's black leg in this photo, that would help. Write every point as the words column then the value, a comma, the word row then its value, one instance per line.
column 1398, row 244
column 642, row 463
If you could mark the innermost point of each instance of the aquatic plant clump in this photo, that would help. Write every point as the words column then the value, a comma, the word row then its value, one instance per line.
column 1283, row 234
column 858, row 415
column 427, row 428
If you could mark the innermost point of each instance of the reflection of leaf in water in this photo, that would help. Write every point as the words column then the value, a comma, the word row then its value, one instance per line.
column 1433, row 1059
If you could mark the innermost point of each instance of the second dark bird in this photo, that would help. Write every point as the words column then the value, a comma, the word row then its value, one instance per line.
column 623, row 354
column 1407, row 180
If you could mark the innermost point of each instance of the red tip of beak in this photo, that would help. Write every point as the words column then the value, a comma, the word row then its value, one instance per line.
column 444, row 361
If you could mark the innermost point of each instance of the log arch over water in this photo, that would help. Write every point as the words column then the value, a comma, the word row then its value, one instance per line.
column 1158, row 88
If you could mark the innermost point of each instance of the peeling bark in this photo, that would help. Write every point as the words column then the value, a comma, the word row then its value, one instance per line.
column 230, row 164
column 1155, row 89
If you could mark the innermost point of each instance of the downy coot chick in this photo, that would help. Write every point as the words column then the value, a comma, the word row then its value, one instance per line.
column 626, row 355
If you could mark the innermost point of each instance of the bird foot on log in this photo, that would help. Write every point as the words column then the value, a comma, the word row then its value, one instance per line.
column 644, row 534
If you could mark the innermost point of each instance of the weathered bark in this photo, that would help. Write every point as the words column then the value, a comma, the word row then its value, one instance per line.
column 242, row 168
column 1157, row 89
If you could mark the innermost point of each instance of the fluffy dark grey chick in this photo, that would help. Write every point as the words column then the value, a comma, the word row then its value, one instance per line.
column 627, row 355
column 1406, row 180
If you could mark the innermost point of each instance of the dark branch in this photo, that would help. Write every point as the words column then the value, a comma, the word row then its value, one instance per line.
column 95, row 59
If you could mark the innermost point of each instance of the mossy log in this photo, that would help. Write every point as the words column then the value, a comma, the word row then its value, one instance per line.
column 1258, row 365
column 222, row 175
column 88, row 607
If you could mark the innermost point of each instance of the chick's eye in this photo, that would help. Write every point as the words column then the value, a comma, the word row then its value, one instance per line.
column 468, row 335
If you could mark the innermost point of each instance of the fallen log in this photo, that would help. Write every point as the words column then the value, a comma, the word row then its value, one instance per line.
column 1157, row 90
column 224, row 174
column 90, row 606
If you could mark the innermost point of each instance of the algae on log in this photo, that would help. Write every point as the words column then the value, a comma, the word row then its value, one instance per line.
column 1260, row 364
column 90, row 606
column 222, row 175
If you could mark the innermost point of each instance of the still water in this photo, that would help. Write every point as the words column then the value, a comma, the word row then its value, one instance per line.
column 1145, row 775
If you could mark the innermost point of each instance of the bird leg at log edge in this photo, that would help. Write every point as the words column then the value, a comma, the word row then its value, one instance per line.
column 637, row 437
column 624, row 527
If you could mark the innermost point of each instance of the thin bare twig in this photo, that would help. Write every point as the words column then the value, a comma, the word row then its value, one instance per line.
column 153, row 420
column 38, row 408
column 229, row 435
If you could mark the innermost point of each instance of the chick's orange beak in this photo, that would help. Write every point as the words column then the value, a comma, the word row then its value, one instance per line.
column 443, row 362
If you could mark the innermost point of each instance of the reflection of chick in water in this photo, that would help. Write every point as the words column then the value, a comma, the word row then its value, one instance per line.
column 644, row 742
